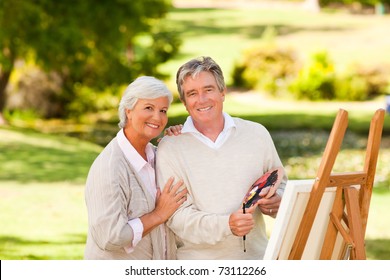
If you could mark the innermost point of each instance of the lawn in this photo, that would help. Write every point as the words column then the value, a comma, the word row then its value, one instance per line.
column 43, row 212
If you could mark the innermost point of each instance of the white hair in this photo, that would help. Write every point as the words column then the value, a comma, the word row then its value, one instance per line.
column 145, row 87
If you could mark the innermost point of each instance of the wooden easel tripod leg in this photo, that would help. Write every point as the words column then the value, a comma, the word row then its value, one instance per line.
column 355, row 223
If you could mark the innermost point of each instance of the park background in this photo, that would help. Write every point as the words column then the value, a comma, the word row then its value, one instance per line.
column 62, row 95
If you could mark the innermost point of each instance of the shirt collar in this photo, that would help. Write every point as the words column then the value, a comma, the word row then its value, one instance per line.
column 189, row 126
column 131, row 153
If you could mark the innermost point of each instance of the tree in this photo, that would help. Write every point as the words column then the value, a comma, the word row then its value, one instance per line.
column 312, row 5
column 96, row 43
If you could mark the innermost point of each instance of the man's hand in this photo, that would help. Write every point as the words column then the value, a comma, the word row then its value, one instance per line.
column 241, row 224
column 269, row 206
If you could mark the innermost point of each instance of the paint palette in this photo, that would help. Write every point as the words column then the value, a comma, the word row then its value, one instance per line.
column 271, row 178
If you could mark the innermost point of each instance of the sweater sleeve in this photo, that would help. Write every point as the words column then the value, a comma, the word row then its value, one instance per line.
column 188, row 222
column 106, row 203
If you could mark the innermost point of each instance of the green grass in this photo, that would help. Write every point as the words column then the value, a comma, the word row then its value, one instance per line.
column 44, row 157
column 42, row 221
column 42, row 209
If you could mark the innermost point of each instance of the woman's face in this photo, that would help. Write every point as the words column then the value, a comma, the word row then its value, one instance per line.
column 148, row 118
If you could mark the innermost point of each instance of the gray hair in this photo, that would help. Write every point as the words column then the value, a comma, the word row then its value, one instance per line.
column 145, row 87
column 194, row 67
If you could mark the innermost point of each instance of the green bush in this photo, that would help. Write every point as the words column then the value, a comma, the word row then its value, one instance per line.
column 266, row 66
column 87, row 100
column 351, row 88
column 316, row 80
column 362, row 83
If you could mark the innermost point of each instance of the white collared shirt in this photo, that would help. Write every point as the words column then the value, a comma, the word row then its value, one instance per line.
column 229, row 124
column 146, row 171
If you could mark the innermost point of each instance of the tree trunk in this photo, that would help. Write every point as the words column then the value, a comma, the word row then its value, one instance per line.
column 4, row 79
column 312, row 5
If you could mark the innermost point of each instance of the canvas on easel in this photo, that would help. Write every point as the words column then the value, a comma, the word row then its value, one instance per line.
column 326, row 218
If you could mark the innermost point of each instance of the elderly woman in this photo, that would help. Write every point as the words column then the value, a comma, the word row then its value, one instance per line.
column 126, row 210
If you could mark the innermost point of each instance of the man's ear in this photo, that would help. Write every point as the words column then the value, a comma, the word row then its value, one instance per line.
column 223, row 93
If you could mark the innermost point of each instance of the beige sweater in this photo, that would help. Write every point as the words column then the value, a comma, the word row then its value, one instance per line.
column 217, row 181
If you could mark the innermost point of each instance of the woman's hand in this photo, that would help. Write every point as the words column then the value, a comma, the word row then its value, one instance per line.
column 169, row 199
column 173, row 130
column 167, row 202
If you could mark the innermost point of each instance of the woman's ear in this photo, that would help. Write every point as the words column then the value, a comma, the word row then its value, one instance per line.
column 129, row 114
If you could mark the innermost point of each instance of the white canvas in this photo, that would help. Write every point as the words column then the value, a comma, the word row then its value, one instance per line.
column 287, row 222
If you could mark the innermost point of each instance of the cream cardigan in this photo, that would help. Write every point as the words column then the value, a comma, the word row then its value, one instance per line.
column 115, row 194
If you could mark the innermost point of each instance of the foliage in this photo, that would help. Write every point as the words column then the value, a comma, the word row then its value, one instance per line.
column 319, row 80
column 361, row 83
column 348, row 2
column 315, row 81
column 265, row 66
column 88, row 42
column 35, row 90
column 274, row 70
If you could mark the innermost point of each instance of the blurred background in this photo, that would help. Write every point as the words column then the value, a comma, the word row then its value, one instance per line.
column 289, row 65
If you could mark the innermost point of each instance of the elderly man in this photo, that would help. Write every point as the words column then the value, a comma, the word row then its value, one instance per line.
column 218, row 157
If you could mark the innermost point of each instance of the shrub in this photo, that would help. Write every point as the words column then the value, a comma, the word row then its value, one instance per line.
column 87, row 100
column 316, row 80
column 265, row 66
column 361, row 83
column 351, row 88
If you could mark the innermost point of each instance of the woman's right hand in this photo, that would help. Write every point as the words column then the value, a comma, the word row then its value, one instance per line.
column 173, row 130
column 169, row 200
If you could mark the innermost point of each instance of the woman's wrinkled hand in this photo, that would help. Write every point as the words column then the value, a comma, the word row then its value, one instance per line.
column 169, row 199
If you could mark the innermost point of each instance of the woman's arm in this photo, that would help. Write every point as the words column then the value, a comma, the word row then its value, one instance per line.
column 168, row 201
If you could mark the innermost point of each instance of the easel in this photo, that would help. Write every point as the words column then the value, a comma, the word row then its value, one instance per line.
column 351, row 205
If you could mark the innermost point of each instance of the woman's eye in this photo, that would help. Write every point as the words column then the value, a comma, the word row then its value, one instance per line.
column 163, row 111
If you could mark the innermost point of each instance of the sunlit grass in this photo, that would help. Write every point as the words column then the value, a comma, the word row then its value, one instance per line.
column 42, row 221
column 42, row 209
column 44, row 157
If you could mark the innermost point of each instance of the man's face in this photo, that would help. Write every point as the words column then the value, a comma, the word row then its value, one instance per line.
column 202, row 98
